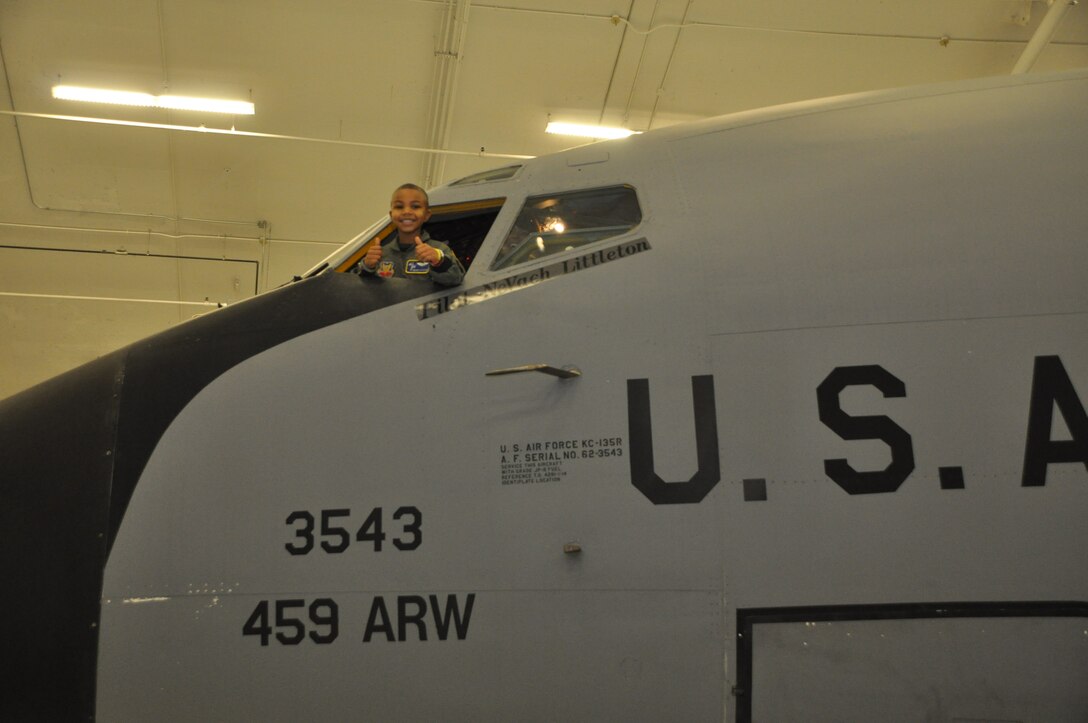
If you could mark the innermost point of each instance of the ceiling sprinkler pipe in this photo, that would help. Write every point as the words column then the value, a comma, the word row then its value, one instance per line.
column 1043, row 35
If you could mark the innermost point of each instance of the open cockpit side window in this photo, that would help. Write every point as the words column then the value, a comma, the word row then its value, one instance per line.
column 558, row 222
column 461, row 226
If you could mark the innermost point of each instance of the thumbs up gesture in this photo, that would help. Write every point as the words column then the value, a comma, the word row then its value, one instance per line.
column 428, row 253
column 373, row 254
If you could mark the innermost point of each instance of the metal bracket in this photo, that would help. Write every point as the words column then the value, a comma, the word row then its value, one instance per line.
column 567, row 372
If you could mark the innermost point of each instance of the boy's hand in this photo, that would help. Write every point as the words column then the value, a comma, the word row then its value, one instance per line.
column 373, row 255
column 428, row 253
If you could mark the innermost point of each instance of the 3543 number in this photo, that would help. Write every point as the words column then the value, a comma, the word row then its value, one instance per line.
column 336, row 538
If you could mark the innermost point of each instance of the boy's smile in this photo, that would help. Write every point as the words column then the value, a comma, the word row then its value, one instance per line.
column 409, row 212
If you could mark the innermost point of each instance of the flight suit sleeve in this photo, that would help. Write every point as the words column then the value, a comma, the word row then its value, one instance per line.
column 449, row 272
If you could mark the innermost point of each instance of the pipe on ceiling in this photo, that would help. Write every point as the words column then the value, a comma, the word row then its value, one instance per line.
column 253, row 134
column 447, row 63
column 1043, row 34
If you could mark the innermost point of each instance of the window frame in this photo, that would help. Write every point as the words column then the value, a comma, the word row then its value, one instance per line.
column 437, row 213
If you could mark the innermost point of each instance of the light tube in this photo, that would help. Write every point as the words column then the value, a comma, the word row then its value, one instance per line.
column 588, row 131
column 146, row 100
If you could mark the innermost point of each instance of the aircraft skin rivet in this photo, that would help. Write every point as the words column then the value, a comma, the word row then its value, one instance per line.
column 572, row 548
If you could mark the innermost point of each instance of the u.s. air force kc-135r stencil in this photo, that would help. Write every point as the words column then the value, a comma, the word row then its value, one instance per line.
column 778, row 416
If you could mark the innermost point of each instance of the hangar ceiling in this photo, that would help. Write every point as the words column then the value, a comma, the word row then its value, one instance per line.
column 110, row 232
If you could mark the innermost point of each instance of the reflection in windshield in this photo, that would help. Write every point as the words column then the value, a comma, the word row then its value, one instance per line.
column 560, row 222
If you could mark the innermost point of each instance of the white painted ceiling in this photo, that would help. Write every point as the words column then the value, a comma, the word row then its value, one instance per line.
column 186, row 216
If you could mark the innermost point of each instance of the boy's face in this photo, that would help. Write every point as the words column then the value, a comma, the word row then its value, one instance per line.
column 409, row 211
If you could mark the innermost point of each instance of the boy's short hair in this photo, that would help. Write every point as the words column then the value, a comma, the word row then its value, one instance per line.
column 414, row 187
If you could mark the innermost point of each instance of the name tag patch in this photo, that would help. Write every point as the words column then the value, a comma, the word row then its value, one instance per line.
column 415, row 266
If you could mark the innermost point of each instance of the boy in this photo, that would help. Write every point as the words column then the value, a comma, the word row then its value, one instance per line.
column 413, row 254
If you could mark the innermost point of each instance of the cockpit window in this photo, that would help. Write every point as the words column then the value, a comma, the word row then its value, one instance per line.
column 559, row 222
column 461, row 226
column 494, row 174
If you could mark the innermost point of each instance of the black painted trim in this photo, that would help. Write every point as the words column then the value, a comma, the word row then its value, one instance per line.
column 56, row 461
column 748, row 618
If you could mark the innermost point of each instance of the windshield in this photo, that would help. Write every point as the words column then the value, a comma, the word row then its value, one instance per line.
column 558, row 222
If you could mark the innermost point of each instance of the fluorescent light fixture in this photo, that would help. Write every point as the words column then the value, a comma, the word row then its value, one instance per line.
column 146, row 100
column 588, row 131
